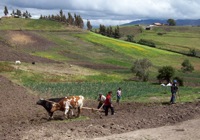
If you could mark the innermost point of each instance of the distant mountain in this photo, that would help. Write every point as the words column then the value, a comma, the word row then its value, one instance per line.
column 179, row 22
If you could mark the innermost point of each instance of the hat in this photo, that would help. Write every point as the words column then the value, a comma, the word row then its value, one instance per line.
column 175, row 81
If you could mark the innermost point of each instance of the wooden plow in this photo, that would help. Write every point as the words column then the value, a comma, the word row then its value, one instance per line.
column 94, row 109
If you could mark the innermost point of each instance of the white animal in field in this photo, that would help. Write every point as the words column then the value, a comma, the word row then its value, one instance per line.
column 17, row 62
column 162, row 85
column 169, row 85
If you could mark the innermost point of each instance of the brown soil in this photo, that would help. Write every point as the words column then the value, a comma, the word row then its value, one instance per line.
column 18, row 45
column 21, row 118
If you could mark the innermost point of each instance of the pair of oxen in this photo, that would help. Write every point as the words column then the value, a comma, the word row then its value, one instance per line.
column 65, row 104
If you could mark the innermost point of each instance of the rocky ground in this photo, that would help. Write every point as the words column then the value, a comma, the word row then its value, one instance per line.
column 22, row 119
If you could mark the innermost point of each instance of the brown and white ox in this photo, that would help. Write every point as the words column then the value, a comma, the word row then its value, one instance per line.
column 68, row 103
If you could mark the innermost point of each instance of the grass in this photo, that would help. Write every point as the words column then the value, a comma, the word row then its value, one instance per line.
column 178, row 38
column 132, row 91
column 30, row 24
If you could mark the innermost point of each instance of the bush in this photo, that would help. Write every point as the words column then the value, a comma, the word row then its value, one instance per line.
column 187, row 66
column 146, row 42
column 140, row 68
column 165, row 73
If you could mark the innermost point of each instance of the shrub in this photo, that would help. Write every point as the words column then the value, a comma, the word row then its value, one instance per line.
column 192, row 52
column 165, row 73
column 140, row 68
column 187, row 66
column 146, row 42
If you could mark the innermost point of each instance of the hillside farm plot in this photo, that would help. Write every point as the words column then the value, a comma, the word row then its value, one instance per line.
column 23, row 119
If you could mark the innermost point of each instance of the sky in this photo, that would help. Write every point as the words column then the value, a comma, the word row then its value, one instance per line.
column 108, row 12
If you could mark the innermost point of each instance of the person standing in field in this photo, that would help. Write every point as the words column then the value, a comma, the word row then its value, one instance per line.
column 108, row 103
column 119, row 94
column 101, row 99
column 174, row 90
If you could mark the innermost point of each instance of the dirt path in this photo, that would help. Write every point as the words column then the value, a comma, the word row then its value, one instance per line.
column 188, row 130
column 22, row 119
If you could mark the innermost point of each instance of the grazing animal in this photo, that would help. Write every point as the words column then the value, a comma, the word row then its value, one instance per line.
column 169, row 84
column 17, row 62
column 68, row 103
column 47, row 104
column 162, row 85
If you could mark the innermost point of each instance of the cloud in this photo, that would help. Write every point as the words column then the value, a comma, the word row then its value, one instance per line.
column 110, row 12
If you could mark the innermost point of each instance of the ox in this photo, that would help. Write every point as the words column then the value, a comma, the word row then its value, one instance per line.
column 47, row 104
column 68, row 103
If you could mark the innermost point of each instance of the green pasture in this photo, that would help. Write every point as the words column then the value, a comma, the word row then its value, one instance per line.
column 129, row 52
column 30, row 24
column 132, row 91
column 178, row 38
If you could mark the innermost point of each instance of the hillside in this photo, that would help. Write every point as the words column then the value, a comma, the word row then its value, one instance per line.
column 180, row 39
column 179, row 22
column 81, row 48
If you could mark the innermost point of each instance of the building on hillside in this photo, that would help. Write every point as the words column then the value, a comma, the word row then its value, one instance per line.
column 157, row 24
column 149, row 27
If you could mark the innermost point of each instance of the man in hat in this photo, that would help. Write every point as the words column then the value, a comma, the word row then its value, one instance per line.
column 174, row 89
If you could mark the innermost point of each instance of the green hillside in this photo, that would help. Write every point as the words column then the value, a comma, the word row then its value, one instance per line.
column 74, row 61
column 180, row 39
column 32, row 24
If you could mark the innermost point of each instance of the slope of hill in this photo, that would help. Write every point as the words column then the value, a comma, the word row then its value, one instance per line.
column 110, row 57
column 180, row 39
column 33, row 24
column 179, row 22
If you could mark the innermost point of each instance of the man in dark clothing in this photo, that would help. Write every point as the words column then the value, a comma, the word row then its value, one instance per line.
column 174, row 89
column 108, row 103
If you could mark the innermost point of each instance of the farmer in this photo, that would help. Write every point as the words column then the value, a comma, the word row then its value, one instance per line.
column 101, row 99
column 119, row 94
column 108, row 103
column 174, row 89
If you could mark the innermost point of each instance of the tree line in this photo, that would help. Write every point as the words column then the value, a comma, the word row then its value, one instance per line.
column 75, row 20
column 17, row 13
column 109, row 31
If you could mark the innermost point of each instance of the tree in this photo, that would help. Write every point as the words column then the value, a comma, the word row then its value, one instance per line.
column 26, row 14
column 18, row 13
column 171, row 22
column 141, row 68
column 187, row 66
column 89, row 26
column 166, row 73
column 70, row 19
column 117, row 34
column 5, row 11
column 79, row 21
column 130, row 38
column 102, row 29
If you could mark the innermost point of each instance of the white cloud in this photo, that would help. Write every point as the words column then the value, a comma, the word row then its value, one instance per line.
column 110, row 12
